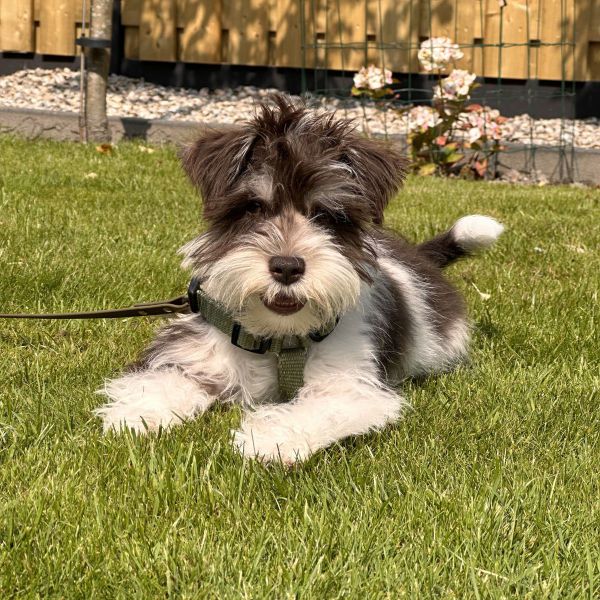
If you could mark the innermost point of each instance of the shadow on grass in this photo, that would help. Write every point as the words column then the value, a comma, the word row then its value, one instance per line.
column 486, row 328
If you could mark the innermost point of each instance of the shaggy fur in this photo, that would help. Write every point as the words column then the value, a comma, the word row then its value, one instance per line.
column 294, row 202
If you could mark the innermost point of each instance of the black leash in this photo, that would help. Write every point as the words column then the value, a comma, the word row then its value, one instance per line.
column 150, row 309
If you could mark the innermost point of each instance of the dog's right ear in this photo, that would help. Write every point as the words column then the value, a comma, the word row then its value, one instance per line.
column 216, row 160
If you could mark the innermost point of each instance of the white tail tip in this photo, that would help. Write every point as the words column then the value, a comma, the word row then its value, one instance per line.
column 476, row 232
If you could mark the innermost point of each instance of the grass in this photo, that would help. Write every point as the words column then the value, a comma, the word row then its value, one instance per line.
column 489, row 488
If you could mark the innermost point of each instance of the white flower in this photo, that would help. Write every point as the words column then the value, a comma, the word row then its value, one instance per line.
column 437, row 52
column 474, row 134
column 456, row 86
column 421, row 118
column 360, row 79
column 372, row 78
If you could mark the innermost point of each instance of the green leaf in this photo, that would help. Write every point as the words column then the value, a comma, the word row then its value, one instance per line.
column 427, row 169
column 358, row 92
column 454, row 157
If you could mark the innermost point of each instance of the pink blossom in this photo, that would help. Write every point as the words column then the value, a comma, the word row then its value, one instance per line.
column 483, row 122
column 421, row 118
column 456, row 86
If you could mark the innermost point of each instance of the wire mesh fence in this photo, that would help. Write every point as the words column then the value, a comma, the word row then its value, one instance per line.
column 508, row 45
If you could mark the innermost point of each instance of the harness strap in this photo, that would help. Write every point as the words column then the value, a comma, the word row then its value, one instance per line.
column 291, row 350
column 290, row 371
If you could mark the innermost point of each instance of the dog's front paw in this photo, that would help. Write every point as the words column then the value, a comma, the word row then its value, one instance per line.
column 265, row 436
column 118, row 417
column 150, row 400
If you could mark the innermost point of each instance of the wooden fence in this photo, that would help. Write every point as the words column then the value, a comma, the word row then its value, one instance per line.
column 541, row 39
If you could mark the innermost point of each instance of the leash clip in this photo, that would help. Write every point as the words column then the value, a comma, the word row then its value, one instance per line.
column 193, row 295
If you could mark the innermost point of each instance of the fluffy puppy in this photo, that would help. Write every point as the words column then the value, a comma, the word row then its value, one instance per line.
column 294, row 202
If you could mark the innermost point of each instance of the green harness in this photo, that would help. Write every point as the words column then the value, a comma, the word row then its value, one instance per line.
column 291, row 350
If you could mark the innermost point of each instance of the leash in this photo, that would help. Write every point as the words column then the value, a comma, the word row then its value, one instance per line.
column 149, row 309
column 291, row 350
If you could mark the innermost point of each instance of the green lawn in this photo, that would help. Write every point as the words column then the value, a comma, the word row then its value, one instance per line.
column 489, row 488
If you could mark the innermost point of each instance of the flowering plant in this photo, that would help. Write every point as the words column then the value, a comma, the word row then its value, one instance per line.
column 450, row 136
column 372, row 81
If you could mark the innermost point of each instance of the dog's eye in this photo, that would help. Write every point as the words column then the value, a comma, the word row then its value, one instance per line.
column 332, row 218
column 342, row 218
column 253, row 207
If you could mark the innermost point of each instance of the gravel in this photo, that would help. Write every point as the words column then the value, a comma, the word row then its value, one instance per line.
column 58, row 90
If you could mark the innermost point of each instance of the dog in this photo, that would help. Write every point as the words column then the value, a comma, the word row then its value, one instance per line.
column 296, row 249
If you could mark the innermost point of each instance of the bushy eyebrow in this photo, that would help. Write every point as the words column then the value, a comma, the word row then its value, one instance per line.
column 261, row 184
column 343, row 211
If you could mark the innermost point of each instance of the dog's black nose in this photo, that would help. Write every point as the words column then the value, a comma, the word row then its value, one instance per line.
column 286, row 269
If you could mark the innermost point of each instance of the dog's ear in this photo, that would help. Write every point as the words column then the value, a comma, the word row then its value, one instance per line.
column 379, row 169
column 216, row 160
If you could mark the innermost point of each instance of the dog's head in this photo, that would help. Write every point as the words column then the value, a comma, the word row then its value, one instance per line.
column 290, row 199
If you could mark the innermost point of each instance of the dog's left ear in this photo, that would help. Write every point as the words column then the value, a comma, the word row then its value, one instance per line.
column 379, row 169
column 215, row 161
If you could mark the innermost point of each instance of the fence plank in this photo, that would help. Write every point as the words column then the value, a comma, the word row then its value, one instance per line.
column 395, row 24
column 594, row 61
column 439, row 18
column 201, row 38
column 478, row 28
column 157, row 30
column 346, row 27
column 180, row 12
column 593, row 57
column 286, row 23
column 248, row 32
column 506, row 25
column 16, row 25
column 57, row 28
column 130, row 12
column 315, row 25
column 466, row 15
column 594, row 32
column 132, row 43
column 557, row 19
column 583, row 13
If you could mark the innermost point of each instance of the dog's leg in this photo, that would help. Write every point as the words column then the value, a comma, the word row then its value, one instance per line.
column 181, row 374
column 321, row 415
column 150, row 399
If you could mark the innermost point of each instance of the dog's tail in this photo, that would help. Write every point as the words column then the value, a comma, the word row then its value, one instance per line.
column 467, row 236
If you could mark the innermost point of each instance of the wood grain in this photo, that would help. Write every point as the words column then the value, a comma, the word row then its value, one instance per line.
column 16, row 25
column 201, row 37
column 157, row 31
column 57, row 27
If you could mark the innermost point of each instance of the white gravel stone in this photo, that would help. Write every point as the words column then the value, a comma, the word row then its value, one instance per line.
column 58, row 90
